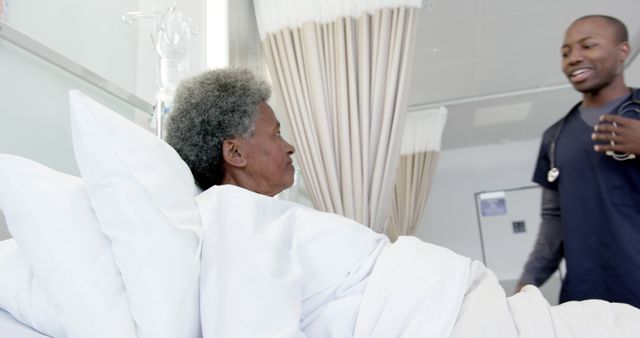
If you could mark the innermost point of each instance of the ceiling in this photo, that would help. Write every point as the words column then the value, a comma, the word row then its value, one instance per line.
column 495, row 64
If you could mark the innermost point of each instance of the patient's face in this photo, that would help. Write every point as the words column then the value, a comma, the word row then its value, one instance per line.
column 268, row 155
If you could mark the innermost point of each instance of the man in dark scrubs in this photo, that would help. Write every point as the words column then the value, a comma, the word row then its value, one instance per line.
column 591, row 196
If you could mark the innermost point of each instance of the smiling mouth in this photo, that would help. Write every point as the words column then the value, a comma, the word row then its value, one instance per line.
column 579, row 75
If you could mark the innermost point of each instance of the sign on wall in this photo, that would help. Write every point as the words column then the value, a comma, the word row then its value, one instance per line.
column 493, row 203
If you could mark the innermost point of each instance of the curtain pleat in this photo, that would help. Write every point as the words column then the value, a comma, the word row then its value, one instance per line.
column 343, row 85
column 411, row 192
column 420, row 152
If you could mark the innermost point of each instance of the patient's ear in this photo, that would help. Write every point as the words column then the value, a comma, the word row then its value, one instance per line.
column 232, row 152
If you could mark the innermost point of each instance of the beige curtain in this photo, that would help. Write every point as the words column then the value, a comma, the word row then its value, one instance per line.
column 343, row 85
column 420, row 151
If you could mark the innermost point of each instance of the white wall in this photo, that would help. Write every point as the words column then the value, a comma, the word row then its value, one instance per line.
column 450, row 219
column 89, row 32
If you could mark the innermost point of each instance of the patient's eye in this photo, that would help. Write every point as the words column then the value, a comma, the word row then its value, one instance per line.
column 278, row 134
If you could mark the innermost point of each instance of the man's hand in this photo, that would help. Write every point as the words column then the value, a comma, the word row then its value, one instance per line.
column 624, row 132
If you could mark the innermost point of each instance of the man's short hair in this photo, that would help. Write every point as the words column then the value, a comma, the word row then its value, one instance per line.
column 621, row 33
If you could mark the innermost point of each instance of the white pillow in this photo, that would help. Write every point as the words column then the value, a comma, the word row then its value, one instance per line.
column 22, row 296
column 143, row 194
column 49, row 216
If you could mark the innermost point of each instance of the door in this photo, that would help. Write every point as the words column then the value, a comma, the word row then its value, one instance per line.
column 509, row 221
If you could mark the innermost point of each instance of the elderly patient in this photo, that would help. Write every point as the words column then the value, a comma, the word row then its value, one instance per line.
column 227, row 133
column 275, row 269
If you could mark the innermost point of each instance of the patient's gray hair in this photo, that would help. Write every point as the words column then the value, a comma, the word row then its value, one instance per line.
column 209, row 108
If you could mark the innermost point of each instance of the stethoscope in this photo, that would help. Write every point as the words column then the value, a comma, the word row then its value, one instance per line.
column 632, row 106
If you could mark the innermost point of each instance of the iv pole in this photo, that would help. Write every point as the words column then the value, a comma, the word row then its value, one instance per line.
column 173, row 33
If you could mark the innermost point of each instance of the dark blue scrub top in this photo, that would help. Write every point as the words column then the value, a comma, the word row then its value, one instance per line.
column 600, row 205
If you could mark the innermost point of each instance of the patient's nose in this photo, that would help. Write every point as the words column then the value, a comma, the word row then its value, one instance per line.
column 290, row 148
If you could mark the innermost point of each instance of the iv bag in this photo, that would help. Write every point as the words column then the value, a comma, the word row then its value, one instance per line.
column 172, row 45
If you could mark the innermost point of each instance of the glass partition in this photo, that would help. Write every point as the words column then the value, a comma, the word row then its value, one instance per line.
column 34, row 119
column 90, row 33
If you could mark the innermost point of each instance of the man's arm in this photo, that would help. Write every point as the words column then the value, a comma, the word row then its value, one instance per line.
column 625, row 133
column 547, row 251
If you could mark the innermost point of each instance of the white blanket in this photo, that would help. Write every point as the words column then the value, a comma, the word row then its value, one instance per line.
column 421, row 290
column 486, row 312
column 271, row 268
column 416, row 290
column 11, row 328
column 277, row 269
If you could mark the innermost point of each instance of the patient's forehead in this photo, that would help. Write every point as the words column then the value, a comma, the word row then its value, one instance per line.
column 266, row 117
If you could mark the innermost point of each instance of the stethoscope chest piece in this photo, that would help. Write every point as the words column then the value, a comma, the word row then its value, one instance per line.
column 553, row 174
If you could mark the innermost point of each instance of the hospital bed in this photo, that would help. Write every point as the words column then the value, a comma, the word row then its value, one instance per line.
column 138, row 238
column 129, row 263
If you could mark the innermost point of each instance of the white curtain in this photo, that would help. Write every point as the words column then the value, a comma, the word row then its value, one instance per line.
column 341, row 69
column 419, row 157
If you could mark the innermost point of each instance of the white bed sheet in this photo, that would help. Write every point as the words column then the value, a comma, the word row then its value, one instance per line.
column 9, row 327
